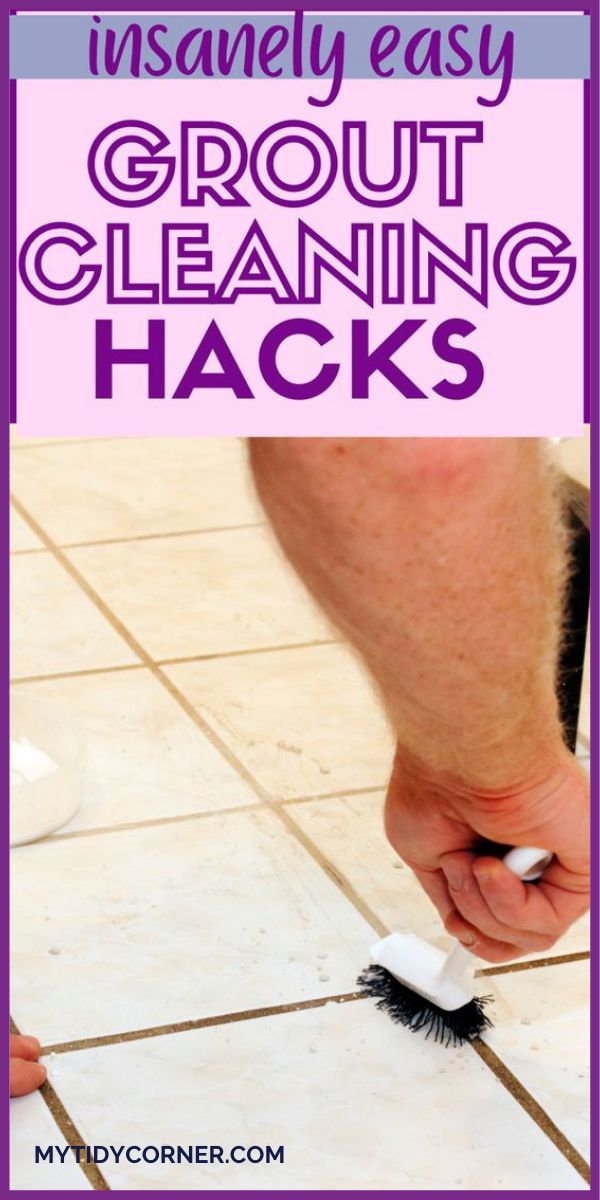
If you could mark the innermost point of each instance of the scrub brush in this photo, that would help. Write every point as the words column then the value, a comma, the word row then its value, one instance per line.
column 425, row 989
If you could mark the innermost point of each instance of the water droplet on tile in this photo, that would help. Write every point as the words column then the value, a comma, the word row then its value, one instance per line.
column 323, row 978
column 323, row 954
column 312, row 1049
column 398, row 866
column 525, row 1020
column 534, row 1046
column 54, row 950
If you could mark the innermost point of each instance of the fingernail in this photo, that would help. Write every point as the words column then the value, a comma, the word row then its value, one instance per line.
column 44, row 1072
column 31, row 1041
column 467, row 940
column 454, row 877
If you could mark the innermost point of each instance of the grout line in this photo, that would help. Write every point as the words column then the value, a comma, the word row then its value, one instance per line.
column 141, row 653
column 531, row 1107
column 140, row 537
column 69, row 1130
column 191, row 658
column 346, row 792
column 555, row 960
column 18, row 679
column 212, row 736
column 338, row 878
column 147, row 537
column 262, row 795
column 169, row 662
column 250, row 1014
column 176, row 819
column 151, row 823
column 73, row 1137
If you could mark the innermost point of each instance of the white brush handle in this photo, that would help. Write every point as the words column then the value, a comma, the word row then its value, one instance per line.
column 527, row 863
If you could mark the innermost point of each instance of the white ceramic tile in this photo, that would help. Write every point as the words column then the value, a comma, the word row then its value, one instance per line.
column 21, row 536
column 32, row 1125
column 167, row 923
column 305, row 721
column 145, row 758
column 54, row 627
column 208, row 593
column 349, row 832
column 356, row 1102
column 541, row 1032
column 132, row 486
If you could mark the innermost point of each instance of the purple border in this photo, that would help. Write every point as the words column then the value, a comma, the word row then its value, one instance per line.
column 7, row 303
column 591, row 325
column 12, row 316
column 592, row 158
column 338, row 1192
column 306, row 5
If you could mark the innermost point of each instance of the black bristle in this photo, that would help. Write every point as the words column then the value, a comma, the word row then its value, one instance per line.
column 408, row 1008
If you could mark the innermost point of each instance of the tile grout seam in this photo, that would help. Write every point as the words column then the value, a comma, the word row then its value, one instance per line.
column 68, row 1128
column 175, row 1027
column 16, row 680
column 200, row 814
column 125, row 539
column 531, row 1107
column 251, row 1014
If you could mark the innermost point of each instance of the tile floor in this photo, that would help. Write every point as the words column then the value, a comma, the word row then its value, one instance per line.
column 186, row 947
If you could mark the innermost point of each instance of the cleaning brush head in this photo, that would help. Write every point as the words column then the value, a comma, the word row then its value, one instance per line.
column 427, row 990
column 407, row 1007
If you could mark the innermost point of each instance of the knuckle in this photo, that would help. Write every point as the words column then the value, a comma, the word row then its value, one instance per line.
column 454, row 923
column 548, row 940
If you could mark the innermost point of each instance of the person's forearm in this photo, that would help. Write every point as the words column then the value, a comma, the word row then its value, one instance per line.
column 443, row 561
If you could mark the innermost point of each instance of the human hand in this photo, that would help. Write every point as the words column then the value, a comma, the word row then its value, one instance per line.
column 435, row 826
column 26, row 1074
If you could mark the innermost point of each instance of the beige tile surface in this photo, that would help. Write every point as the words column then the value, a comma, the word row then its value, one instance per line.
column 145, row 758
column 541, row 1032
column 168, row 923
column 54, row 627
column 31, row 1124
column 349, row 832
column 209, row 593
column 133, row 486
column 21, row 536
column 357, row 1103
column 305, row 721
